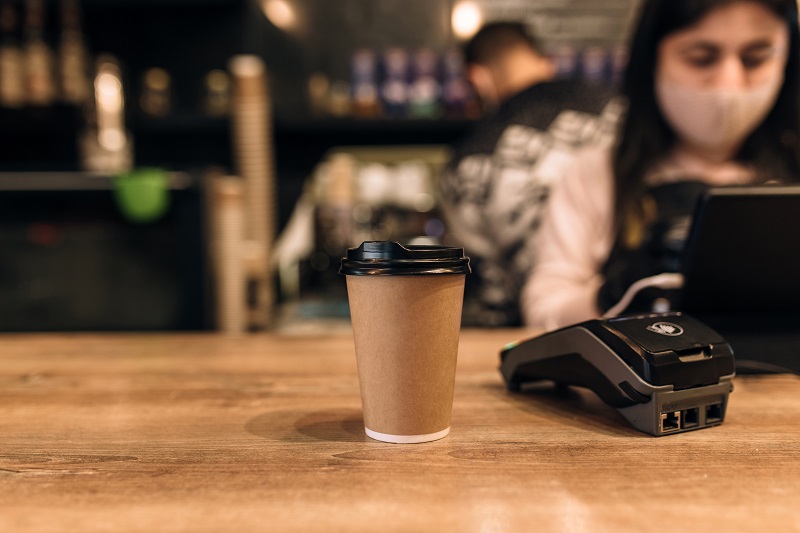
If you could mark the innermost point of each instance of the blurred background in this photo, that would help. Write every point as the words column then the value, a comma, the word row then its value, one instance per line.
column 203, row 164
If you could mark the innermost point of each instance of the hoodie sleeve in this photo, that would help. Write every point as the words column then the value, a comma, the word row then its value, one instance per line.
column 572, row 245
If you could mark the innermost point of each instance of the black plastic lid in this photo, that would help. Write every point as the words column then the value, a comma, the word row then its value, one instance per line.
column 386, row 258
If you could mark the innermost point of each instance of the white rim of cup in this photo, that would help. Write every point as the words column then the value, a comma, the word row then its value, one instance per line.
column 407, row 439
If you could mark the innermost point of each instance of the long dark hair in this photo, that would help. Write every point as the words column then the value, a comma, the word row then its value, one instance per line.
column 644, row 138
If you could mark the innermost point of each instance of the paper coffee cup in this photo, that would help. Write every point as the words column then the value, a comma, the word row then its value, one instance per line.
column 405, row 306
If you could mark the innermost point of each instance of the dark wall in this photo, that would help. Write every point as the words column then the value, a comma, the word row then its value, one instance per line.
column 574, row 22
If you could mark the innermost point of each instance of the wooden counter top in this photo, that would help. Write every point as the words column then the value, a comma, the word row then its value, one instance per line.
column 264, row 432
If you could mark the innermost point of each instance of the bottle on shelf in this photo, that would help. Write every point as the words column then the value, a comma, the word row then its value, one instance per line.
column 365, row 84
column 426, row 91
column 618, row 60
column 39, row 83
column 319, row 87
column 217, row 99
column 339, row 101
column 594, row 63
column 12, row 73
column 395, row 86
column 457, row 95
column 156, row 92
column 567, row 61
column 106, row 146
column 73, row 56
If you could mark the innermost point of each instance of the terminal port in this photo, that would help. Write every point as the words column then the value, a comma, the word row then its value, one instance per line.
column 713, row 413
column 670, row 421
column 690, row 418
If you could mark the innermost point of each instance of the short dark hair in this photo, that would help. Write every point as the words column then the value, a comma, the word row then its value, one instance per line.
column 645, row 137
column 495, row 38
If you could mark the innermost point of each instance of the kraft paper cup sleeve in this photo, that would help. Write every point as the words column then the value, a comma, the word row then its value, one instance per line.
column 406, row 350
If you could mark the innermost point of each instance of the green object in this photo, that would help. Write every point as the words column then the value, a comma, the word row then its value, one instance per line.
column 142, row 195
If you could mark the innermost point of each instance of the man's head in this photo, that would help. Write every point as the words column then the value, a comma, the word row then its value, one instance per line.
column 503, row 59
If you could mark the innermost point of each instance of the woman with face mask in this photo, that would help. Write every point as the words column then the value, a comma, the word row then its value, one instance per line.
column 713, row 100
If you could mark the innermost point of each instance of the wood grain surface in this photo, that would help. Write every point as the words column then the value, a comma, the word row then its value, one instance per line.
column 264, row 433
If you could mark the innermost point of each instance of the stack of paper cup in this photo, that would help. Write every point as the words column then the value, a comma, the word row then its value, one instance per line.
column 228, row 237
column 253, row 151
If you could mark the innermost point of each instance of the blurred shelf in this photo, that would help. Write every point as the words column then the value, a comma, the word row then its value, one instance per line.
column 34, row 138
column 163, row 3
column 317, row 136
column 185, row 122
column 180, row 123
column 356, row 125
column 74, row 181
column 39, row 121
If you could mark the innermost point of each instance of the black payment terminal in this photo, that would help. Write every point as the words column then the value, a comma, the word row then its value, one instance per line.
column 665, row 373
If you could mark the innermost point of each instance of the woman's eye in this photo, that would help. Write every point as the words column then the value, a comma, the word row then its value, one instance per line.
column 754, row 60
column 702, row 61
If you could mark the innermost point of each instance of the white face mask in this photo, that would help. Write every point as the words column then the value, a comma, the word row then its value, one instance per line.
column 711, row 119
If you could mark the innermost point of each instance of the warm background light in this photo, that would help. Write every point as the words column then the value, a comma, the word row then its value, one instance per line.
column 466, row 19
column 280, row 13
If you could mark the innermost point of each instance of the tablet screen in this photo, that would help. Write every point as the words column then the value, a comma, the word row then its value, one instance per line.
column 743, row 251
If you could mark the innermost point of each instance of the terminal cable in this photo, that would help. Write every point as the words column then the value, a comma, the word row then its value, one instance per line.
column 667, row 280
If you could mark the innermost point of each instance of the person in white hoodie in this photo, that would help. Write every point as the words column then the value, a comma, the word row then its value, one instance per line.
column 713, row 99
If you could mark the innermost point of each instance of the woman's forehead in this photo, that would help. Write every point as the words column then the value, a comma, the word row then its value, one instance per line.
column 737, row 23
